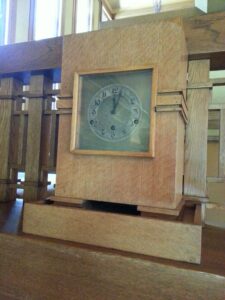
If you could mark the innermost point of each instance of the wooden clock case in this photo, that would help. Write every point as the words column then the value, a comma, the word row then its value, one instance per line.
column 152, row 184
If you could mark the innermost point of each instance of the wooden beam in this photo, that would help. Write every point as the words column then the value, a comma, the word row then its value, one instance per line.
column 8, row 88
column 222, row 144
column 128, row 233
column 205, row 36
column 205, row 33
column 218, row 81
column 31, row 56
column 197, row 130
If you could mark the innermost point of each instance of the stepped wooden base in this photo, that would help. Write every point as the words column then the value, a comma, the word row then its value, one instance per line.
column 167, row 239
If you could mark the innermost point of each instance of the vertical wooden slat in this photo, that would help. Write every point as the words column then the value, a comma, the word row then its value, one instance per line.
column 38, row 85
column 53, row 142
column 222, row 144
column 9, row 87
column 22, row 140
column 198, row 98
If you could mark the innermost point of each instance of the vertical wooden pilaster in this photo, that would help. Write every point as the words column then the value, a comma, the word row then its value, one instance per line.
column 8, row 89
column 198, row 97
column 222, row 144
column 38, row 86
column 53, row 143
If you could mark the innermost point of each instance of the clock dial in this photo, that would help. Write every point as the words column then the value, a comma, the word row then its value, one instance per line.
column 114, row 112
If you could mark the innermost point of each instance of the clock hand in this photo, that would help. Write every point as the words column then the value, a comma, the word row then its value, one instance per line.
column 116, row 99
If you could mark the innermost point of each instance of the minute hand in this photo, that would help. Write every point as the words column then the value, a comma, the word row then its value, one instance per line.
column 116, row 99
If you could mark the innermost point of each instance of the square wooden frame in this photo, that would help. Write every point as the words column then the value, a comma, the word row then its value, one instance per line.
column 75, row 113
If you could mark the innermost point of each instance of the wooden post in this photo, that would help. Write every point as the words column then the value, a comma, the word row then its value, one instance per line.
column 8, row 89
column 198, row 97
column 53, row 142
column 222, row 144
column 38, row 86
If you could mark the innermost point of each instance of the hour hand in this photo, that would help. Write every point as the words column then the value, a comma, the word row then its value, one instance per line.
column 116, row 99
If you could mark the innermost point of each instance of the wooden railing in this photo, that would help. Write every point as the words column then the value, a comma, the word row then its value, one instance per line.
column 28, row 136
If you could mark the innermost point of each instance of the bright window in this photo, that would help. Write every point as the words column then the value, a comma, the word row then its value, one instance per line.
column 4, row 20
column 84, row 15
column 47, row 18
column 105, row 15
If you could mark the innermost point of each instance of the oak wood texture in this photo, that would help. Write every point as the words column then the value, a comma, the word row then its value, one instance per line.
column 36, row 55
column 8, row 89
column 43, row 268
column 38, row 85
column 65, row 103
column 76, row 119
column 172, row 102
column 150, row 182
column 128, row 233
column 205, row 34
column 162, row 211
column 113, row 48
column 222, row 144
column 66, row 200
column 5, row 127
column 197, row 131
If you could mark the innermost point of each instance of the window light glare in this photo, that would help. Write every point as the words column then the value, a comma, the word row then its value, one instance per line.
column 84, row 15
column 47, row 18
column 7, row 23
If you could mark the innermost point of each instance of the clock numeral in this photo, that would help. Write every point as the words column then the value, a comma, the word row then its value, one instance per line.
column 97, row 102
column 115, row 90
column 103, row 94
column 132, row 101
column 93, row 123
column 93, row 112
column 135, row 110
column 113, row 134
column 103, row 131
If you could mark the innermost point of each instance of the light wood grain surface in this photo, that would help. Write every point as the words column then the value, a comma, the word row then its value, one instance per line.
column 34, row 269
column 197, row 131
column 148, row 182
column 8, row 88
column 148, row 236
column 161, row 43
column 222, row 144
column 35, row 55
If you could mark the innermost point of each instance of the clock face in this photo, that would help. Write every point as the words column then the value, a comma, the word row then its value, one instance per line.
column 114, row 112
